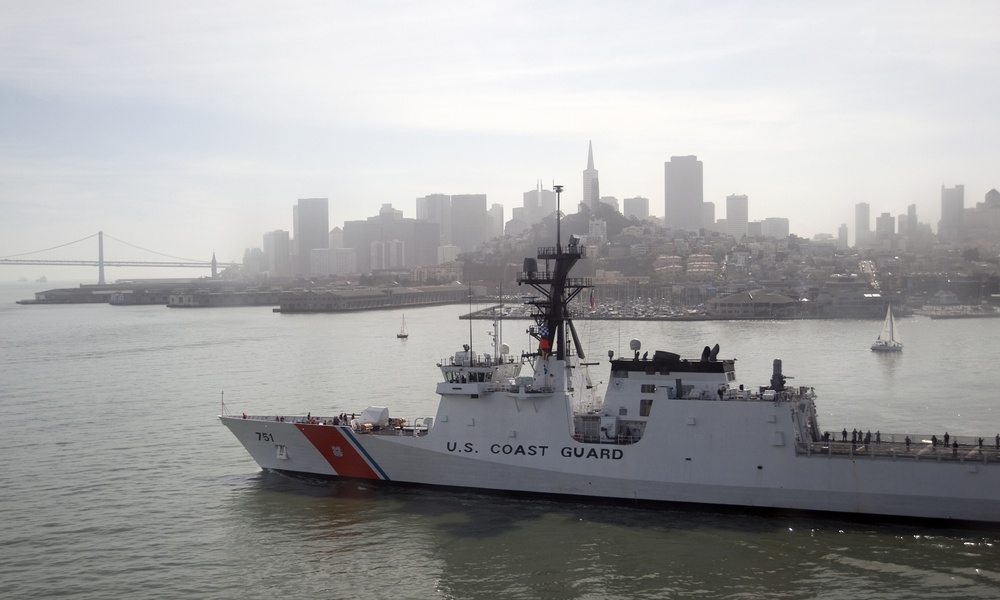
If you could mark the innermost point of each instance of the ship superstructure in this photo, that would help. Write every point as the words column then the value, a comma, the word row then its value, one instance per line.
column 665, row 429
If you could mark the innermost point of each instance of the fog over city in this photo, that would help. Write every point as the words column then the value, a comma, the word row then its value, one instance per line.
column 191, row 128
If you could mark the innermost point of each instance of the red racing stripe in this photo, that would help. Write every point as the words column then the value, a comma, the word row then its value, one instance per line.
column 337, row 449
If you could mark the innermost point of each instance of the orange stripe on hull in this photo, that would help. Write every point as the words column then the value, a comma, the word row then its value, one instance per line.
column 338, row 449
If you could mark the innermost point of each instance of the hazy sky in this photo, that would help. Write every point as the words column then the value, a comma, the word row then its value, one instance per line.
column 193, row 127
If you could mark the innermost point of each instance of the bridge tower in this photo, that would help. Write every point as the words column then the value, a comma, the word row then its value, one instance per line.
column 100, row 258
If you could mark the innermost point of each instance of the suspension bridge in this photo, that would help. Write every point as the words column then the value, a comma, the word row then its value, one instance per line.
column 31, row 258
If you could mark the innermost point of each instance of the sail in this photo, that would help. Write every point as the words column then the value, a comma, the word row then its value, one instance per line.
column 888, row 338
column 889, row 333
column 402, row 330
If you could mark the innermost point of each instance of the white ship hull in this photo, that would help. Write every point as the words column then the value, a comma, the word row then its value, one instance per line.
column 706, row 452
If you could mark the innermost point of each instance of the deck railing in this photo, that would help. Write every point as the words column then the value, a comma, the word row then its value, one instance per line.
column 894, row 447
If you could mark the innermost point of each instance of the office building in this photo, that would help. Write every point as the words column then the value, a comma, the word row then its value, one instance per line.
column 951, row 226
column 911, row 219
column 470, row 221
column 737, row 209
column 436, row 208
column 537, row 204
column 277, row 254
column 336, row 238
column 416, row 244
column 775, row 227
column 708, row 215
column 885, row 229
column 311, row 230
column 597, row 233
column 862, row 225
column 496, row 221
column 332, row 261
column 683, row 191
column 637, row 208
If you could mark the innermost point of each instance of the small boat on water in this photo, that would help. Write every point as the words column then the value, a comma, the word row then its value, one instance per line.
column 888, row 338
column 652, row 429
column 403, row 332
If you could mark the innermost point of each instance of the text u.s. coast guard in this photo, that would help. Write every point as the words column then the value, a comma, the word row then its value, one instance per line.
column 539, row 450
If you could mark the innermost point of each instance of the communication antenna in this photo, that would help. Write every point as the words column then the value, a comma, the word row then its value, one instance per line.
column 558, row 189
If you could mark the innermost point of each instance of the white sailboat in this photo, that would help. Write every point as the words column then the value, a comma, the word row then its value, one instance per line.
column 888, row 339
column 403, row 333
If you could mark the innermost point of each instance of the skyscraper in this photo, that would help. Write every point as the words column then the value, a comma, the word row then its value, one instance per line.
column 470, row 221
column 436, row 208
column 737, row 215
column 311, row 229
column 683, row 192
column 885, row 229
column 862, row 224
column 496, row 221
column 591, row 187
column 950, row 227
column 708, row 215
column 420, row 240
column 842, row 236
column 277, row 253
column 538, row 204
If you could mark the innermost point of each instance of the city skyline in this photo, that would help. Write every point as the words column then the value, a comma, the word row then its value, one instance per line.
column 191, row 126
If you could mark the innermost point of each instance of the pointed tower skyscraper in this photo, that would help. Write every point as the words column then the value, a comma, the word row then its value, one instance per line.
column 591, row 188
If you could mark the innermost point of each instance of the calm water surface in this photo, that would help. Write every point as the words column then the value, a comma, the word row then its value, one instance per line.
column 120, row 482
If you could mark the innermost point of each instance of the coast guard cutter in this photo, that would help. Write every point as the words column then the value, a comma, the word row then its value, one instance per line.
column 666, row 430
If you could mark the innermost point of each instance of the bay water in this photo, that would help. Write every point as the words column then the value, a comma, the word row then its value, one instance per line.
column 119, row 481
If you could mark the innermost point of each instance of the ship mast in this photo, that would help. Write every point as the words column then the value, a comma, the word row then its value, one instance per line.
column 553, row 322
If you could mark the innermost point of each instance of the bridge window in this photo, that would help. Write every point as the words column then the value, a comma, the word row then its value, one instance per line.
column 644, row 406
column 648, row 388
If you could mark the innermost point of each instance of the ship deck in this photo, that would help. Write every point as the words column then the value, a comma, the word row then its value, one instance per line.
column 921, row 450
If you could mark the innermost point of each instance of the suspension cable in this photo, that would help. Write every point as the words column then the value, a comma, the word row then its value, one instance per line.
column 151, row 251
column 52, row 248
